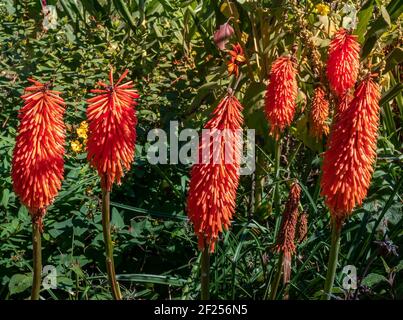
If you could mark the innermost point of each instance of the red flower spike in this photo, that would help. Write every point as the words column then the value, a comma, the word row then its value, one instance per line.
column 319, row 113
column 37, row 165
column 343, row 62
column 213, row 183
column 112, row 129
column 281, row 94
column 351, row 151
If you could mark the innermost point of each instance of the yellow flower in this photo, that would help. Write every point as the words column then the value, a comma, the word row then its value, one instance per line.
column 82, row 130
column 82, row 133
column 84, row 124
column 76, row 146
column 322, row 9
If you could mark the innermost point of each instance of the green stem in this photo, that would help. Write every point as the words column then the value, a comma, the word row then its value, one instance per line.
column 276, row 282
column 205, row 273
column 106, row 226
column 333, row 257
column 276, row 200
column 37, row 257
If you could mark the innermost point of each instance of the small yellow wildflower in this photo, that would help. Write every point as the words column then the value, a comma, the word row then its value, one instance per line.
column 82, row 130
column 82, row 133
column 322, row 9
column 76, row 146
column 84, row 124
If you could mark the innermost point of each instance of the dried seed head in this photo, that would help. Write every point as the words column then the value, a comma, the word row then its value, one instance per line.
column 302, row 228
column 286, row 238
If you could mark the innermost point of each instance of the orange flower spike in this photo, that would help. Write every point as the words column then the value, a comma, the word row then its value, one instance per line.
column 351, row 151
column 112, row 129
column 38, row 165
column 343, row 61
column 319, row 113
column 286, row 238
column 214, row 183
column 281, row 94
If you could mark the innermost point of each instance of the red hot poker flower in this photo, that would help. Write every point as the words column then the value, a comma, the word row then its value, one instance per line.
column 112, row 129
column 319, row 113
column 351, row 151
column 281, row 94
column 213, row 183
column 343, row 61
column 37, row 165
column 237, row 58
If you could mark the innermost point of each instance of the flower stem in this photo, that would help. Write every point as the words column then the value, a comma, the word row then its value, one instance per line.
column 106, row 226
column 205, row 273
column 37, row 257
column 333, row 257
column 276, row 200
column 276, row 282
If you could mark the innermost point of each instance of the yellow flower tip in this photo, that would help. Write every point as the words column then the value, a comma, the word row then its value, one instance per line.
column 76, row 146
column 322, row 9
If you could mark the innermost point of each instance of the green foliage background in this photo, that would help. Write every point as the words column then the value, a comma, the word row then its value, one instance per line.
column 181, row 75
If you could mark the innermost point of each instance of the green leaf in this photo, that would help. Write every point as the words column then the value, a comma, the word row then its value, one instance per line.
column 393, row 59
column 364, row 16
column 372, row 279
column 125, row 13
column 391, row 93
column 5, row 198
column 379, row 26
column 386, row 16
column 399, row 267
column 385, row 265
column 152, row 278
column 117, row 219
column 19, row 283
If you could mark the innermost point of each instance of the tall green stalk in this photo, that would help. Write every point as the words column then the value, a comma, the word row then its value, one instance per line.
column 37, row 263
column 333, row 258
column 276, row 200
column 106, row 226
column 205, row 273
column 277, row 155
